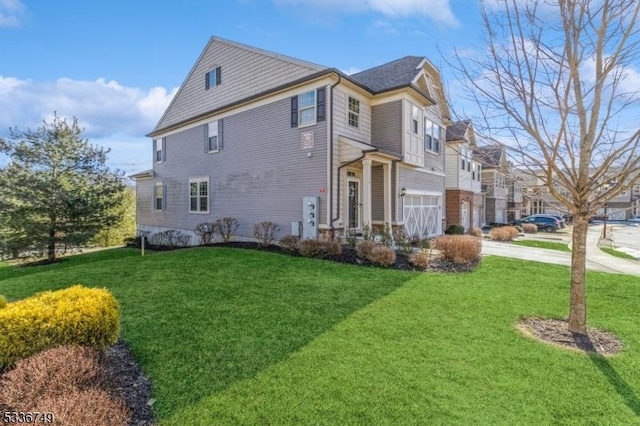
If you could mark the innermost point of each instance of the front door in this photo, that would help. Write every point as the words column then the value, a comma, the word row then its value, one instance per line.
column 465, row 215
column 353, row 203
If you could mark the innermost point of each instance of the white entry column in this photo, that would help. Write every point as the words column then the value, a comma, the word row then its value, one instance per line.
column 386, row 168
column 366, row 192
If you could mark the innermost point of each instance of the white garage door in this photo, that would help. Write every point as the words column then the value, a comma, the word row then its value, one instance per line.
column 421, row 215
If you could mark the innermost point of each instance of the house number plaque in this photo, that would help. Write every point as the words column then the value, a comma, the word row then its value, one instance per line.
column 307, row 140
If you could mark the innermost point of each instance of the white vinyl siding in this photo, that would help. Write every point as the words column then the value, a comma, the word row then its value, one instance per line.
column 413, row 151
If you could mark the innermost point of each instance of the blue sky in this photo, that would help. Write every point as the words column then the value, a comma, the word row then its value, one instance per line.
column 115, row 65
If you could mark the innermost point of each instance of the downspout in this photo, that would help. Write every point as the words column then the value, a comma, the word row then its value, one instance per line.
column 331, row 163
column 364, row 153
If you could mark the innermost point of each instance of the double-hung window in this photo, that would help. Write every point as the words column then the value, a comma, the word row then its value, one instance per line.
column 431, row 136
column 307, row 108
column 159, row 154
column 199, row 195
column 214, row 136
column 414, row 119
column 354, row 112
column 158, row 196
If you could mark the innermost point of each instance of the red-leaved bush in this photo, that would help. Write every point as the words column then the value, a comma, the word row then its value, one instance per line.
column 459, row 249
column 68, row 381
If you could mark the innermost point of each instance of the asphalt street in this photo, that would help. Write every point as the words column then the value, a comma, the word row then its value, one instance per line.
column 597, row 260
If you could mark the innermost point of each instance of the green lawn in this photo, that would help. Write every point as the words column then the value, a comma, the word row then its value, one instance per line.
column 543, row 244
column 242, row 337
column 617, row 253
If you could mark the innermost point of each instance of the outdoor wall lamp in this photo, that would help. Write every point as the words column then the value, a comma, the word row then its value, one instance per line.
column 403, row 192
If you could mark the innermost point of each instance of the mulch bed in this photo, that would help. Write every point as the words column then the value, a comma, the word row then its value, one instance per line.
column 348, row 256
column 556, row 332
column 128, row 383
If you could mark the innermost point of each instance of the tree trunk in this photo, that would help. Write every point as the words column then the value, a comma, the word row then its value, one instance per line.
column 578, row 302
column 51, row 247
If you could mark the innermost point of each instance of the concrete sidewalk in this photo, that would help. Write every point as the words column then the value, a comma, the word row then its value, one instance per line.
column 597, row 260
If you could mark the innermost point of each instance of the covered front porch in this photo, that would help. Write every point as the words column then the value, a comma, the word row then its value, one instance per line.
column 365, row 186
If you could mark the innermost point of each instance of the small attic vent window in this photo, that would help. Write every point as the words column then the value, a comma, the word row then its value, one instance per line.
column 213, row 78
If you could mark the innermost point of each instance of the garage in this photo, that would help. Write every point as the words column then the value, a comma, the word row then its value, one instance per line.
column 422, row 214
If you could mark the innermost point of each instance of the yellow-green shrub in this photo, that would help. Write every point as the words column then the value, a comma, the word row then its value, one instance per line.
column 3, row 301
column 73, row 316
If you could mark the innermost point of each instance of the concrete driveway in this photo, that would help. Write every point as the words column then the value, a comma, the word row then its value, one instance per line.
column 597, row 260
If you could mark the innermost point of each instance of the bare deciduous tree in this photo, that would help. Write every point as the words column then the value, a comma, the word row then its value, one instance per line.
column 558, row 81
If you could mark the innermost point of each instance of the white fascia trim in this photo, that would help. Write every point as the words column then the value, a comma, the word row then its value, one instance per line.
column 420, row 192
column 422, row 170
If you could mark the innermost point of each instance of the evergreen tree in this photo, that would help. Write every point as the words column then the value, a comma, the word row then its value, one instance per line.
column 56, row 190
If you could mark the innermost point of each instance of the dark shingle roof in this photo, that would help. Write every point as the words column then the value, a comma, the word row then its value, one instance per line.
column 489, row 155
column 398, row 73
column 457, row 130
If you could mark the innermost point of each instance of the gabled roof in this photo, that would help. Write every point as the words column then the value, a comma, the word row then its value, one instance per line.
column 490, row 155
column 391, row 75
column 457, row 130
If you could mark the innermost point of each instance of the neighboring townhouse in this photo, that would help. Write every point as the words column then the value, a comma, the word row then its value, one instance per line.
column 260, row 136
column 465, row 201
column 538, row 199
column 494, row 181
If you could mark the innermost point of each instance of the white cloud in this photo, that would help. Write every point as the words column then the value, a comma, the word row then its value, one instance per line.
column 351, row 70
column 11, row 11
column 438, row 10
column 112, row 115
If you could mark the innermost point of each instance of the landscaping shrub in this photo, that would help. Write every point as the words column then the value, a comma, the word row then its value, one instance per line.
column 89, row 407
column 529, row 228
column 419, row 260
column 454, row 230
column 226, row 227
column 350, row 236
column 206, row 232
column 171, row 238
column 55, row 371
column 363, row 249
column 385, row 236
column 476, row 232
column 332, row 248
column 3, row 301
column 459, row 249
column 74, row 316
column 68, row 381
column 289, row 243
column 403, row 243
column 265, row 232
column 382, row 255
column 316, row 248
column 503, row 233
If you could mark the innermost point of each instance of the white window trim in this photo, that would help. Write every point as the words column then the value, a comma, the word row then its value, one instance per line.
column 198, row 180
column 314, row 107
column 349, row 112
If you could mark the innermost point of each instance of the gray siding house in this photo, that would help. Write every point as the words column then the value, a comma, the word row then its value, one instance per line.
column 259, row 136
